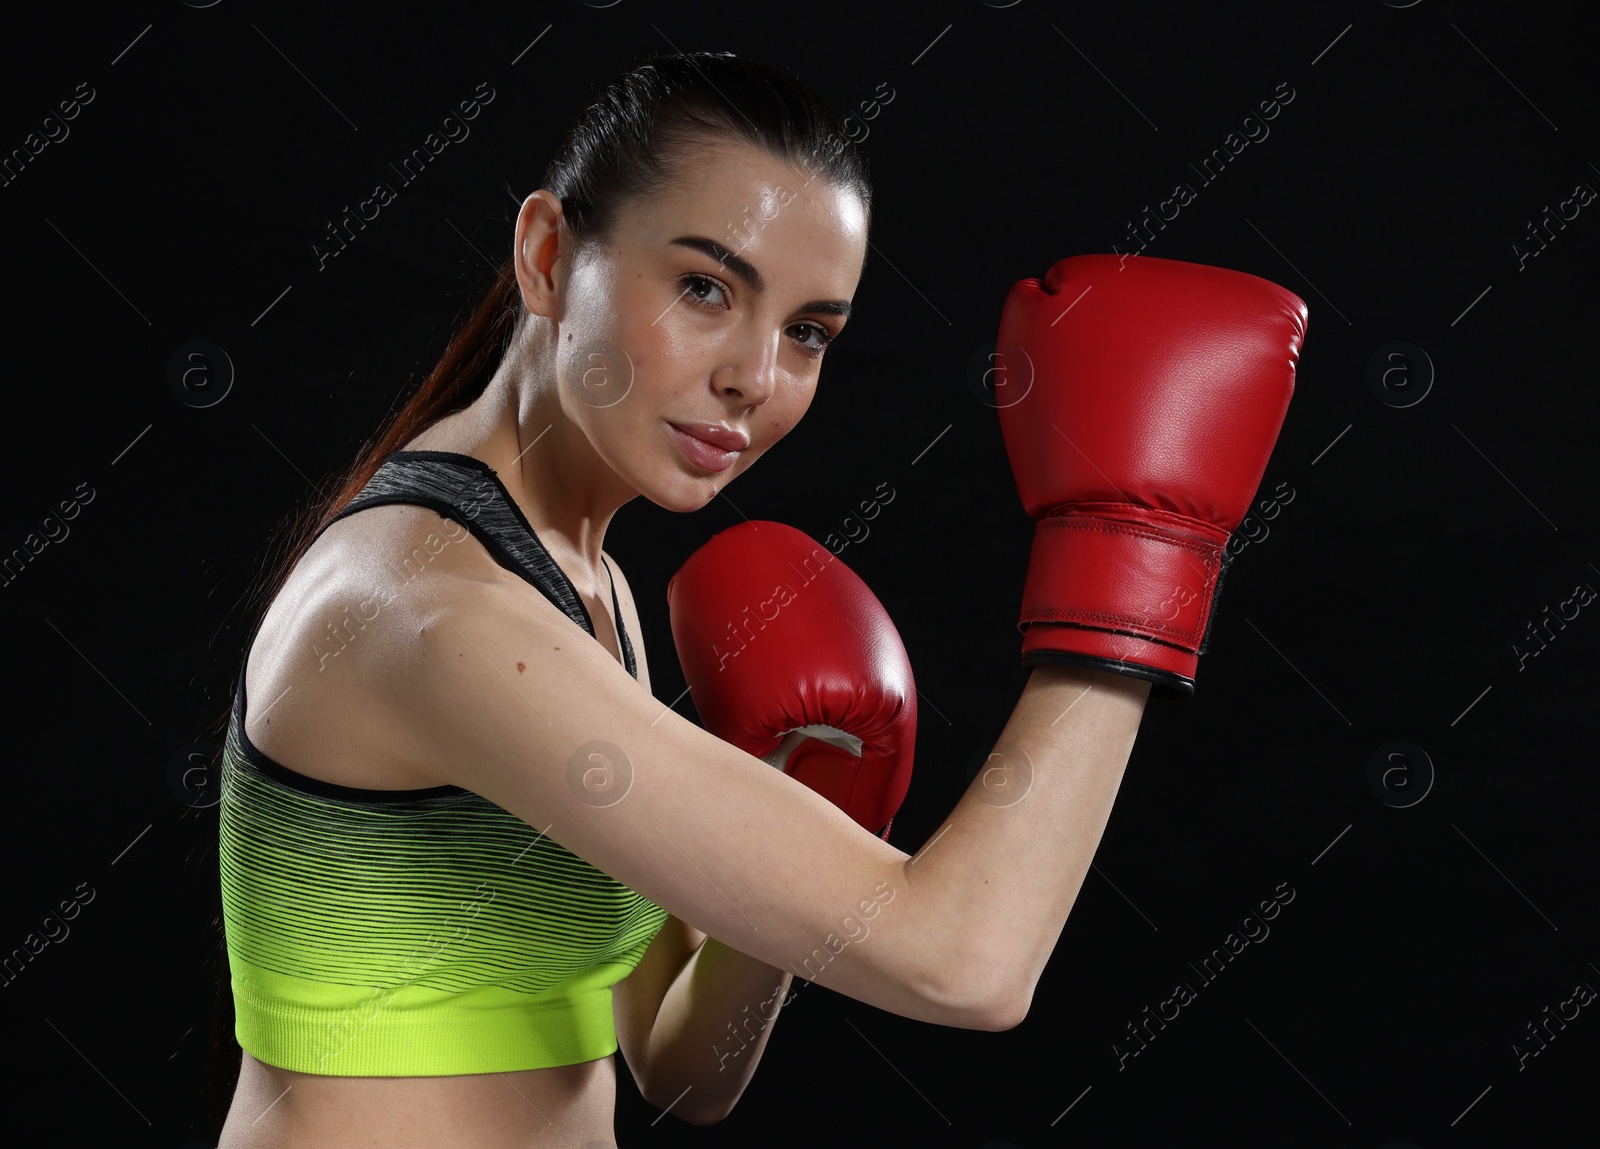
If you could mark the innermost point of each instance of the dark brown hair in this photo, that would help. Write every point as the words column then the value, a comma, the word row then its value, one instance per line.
column 637, row 136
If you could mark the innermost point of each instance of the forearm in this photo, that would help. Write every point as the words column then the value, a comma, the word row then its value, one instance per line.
column 999, row 878
column 711, row 1030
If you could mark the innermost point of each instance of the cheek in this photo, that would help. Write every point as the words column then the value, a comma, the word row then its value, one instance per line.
column 664, row 355
column 779, row 416
column 797, row 399
column 651, row 314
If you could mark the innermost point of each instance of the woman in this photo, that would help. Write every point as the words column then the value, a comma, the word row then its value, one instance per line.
column 411, row 701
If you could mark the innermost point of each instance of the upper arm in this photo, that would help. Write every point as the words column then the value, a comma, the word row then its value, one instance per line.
column 507, row 697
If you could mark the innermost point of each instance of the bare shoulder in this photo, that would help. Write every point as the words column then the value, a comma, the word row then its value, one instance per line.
column 344, row 621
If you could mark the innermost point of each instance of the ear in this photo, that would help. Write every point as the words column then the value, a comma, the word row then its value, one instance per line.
column 541, row 243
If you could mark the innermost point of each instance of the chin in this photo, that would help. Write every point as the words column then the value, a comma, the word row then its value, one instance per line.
column 687, row 498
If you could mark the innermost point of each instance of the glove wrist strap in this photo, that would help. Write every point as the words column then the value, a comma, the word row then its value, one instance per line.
column 1111, row 584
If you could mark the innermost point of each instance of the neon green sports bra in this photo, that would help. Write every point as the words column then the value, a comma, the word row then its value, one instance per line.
column 419, row 932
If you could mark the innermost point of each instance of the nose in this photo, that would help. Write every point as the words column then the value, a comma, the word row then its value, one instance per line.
column 751, row 374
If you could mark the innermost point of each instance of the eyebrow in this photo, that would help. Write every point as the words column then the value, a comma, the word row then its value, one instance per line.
column 747, row 272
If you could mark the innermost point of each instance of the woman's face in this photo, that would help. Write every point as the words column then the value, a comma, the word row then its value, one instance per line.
column 706, row 316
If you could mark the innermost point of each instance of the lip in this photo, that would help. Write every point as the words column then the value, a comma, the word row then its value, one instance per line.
column 701, row 451
column 720, row 437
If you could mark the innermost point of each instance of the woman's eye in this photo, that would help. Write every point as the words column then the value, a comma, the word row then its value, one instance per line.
column 813, row 331
column 698, row 287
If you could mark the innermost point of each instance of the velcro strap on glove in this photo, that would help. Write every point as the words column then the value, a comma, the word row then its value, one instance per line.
column 1127, row 570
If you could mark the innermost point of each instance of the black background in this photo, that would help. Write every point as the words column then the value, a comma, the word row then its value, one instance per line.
column 1422, row 539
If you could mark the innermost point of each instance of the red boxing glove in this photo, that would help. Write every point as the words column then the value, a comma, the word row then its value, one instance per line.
column 1142, row 399
column 791, row 658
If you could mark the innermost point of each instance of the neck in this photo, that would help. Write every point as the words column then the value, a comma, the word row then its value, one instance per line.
column 546, row 461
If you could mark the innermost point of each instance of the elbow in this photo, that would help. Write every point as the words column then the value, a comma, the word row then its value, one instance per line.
column 700, row 1115
column 694, row 1117
column 997, row 1011
column 983, row 997
column 1006, row 1013
column 687, row 1109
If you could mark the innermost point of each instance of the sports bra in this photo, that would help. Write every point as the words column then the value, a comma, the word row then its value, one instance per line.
column 419, row 932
